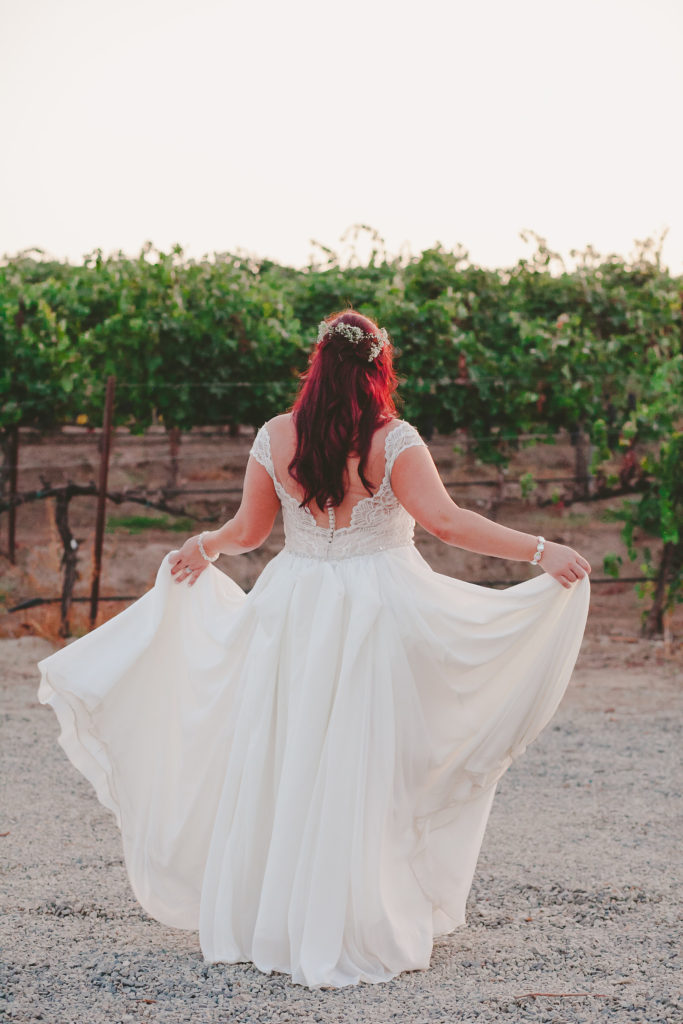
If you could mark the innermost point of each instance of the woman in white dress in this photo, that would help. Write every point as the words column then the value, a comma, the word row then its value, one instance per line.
column 304, row 773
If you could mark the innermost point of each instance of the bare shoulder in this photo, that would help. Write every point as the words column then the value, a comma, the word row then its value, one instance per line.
column 387, row 427
column 281, row 425
column 377, row 442
column 397, row 421
column 280, row 420
column 408, row 430
column 282, row 433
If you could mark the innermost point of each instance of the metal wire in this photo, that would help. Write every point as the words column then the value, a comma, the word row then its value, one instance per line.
column 34, row 602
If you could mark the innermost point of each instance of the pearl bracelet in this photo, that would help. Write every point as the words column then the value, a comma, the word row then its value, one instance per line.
column 202, row 552
column 539, row 551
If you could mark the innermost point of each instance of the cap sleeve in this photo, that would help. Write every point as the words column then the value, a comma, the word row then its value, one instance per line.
column 260, row 450
column 401, row 437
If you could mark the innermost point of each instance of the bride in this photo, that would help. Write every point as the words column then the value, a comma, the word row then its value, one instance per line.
column 304, row 773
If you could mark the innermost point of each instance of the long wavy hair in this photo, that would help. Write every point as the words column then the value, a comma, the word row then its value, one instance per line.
column 343, row 398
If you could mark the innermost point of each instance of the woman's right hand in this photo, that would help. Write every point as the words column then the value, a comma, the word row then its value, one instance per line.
column 563, row 563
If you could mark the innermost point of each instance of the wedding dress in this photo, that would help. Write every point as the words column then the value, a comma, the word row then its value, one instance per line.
column 304, row 773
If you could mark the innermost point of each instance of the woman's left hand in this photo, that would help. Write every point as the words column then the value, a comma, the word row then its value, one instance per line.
column 188, row 564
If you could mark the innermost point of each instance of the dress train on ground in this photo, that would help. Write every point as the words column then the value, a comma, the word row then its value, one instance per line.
column 304, row 773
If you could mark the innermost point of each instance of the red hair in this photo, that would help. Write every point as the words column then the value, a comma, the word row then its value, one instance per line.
column 343, row 398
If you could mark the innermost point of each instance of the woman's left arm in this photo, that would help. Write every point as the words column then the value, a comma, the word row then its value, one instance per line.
column 248, row 529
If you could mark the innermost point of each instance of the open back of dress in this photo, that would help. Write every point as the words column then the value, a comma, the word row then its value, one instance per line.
column 378, row 522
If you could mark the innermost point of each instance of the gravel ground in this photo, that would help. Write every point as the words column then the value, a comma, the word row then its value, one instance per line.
column 574, row 914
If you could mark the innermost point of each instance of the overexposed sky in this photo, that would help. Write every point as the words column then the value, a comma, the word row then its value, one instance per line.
column 262, row 125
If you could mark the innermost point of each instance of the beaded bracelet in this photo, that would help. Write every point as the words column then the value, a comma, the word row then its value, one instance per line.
column 539, row 551
column 202, row 552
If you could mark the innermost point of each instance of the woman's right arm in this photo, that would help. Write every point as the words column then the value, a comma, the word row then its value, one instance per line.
column 252, row 523
column 247, row 529
column 416, row 483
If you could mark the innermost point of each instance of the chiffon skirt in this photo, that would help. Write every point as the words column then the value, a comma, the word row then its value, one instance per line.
column 304, row 773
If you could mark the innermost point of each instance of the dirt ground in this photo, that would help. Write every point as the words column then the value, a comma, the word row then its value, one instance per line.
column 574, row 914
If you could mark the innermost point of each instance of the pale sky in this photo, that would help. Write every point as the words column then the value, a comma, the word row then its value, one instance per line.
column 264, row 125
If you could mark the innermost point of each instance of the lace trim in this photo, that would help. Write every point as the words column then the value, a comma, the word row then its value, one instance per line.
column 401, row 437
column 261, row 452
column 377, row 522
column 260, row 449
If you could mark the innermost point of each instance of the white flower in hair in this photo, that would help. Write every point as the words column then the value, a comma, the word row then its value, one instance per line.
column 355, row 335
column 323, row 329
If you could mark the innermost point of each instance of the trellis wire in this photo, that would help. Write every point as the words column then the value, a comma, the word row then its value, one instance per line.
column 197, row 434
column 452, row 484
column 34, row 602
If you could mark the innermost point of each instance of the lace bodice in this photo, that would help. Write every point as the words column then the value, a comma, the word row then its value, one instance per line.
column 377, row 522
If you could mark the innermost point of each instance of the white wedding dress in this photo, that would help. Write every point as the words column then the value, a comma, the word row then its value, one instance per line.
column 304, row 773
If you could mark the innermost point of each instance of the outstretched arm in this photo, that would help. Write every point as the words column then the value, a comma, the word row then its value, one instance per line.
column 416, row 483
column 248, row 529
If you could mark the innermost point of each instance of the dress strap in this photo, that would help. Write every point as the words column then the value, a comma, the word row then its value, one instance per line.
column 260, row 450
column 400, row 437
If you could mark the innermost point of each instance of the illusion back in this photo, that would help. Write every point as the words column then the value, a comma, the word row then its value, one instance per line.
column 377, row 522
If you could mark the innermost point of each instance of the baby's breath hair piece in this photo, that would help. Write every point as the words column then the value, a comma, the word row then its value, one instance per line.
column 355, row 335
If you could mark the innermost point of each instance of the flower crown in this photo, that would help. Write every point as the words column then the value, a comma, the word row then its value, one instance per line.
column 355, row 335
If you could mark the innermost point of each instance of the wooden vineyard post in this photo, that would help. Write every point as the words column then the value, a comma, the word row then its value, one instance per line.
column 70, row 556
column 13, row 454
column 582, row 460
column 105, row 448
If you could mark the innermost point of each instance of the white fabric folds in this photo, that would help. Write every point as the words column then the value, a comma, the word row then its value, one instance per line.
column 304, row 773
